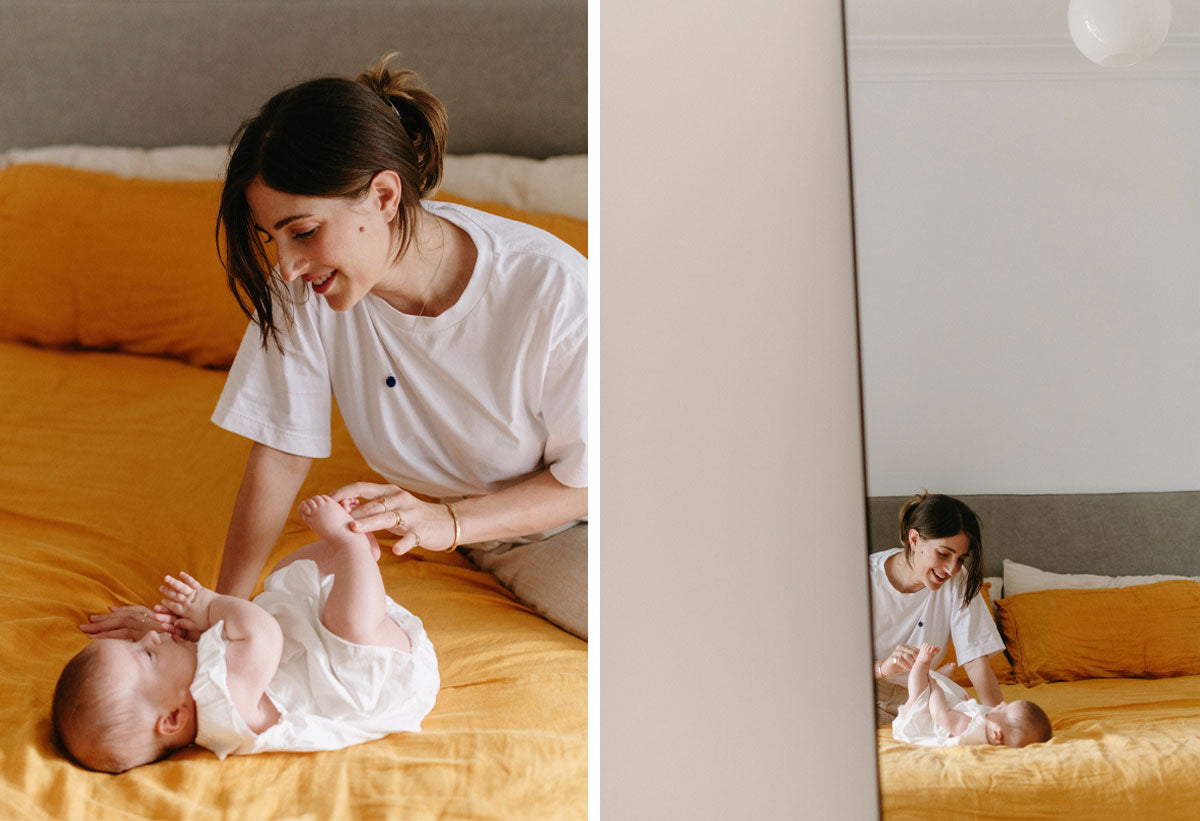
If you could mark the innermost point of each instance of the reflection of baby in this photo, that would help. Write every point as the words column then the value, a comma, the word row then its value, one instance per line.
column 321, row 659
column 939, row 714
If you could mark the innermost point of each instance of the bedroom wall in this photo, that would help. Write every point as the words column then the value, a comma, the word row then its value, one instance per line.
column 1028, row 245
column 729, row 398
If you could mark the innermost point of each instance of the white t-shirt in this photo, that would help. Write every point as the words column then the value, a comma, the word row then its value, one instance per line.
column 928, row 615
column 469, row 402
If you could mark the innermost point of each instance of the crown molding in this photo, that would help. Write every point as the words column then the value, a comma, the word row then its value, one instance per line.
column 983, row 58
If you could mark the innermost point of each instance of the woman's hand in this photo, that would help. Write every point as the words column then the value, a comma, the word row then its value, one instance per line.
column 387, row 507
column 126, row 621
column 900, row 660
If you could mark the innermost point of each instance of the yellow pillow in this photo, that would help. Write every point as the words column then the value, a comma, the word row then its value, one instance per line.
column 1147, row 631
column 95, row 260
column 102, row 261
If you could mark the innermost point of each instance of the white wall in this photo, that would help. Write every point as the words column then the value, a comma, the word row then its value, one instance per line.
column 734, row 647
column 1028, row 234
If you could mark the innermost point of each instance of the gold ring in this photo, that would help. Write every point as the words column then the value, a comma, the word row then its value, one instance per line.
column 382, row 503
column 416, row 536
column 399, row 519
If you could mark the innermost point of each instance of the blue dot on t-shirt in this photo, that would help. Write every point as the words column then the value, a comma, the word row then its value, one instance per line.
column 390, row 381
column 920, row 624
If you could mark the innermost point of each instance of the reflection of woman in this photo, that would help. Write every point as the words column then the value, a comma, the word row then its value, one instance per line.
column 918, row 594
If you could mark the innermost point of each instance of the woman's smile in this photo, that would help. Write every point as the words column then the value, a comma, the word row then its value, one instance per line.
column 322, row 283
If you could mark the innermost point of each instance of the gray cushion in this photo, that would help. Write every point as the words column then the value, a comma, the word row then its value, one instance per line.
column 1106, row 533
column 512, row 75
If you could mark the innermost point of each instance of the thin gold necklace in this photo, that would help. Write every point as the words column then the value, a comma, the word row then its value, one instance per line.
column 441, row 256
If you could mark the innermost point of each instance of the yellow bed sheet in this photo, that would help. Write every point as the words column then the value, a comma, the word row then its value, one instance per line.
column 1122, row 749
column 110, row 476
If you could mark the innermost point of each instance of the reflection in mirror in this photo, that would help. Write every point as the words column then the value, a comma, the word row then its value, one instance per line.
column 1028, row 236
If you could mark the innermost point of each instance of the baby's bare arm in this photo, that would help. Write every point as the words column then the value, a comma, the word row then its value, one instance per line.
column 255, row 639
column 949, row 720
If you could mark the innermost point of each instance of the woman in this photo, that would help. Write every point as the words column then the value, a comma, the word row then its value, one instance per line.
column 454, row 341
column 928, row 591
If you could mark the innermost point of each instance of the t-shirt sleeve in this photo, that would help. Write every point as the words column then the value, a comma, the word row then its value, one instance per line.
column 280, row 398
column 974, row 631
column 564, row 408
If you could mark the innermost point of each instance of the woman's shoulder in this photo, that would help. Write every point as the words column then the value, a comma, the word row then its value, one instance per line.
column 876, row 560
column 512, row 238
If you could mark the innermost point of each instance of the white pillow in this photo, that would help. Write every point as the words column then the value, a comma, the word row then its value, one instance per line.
column 180, row 162
column 556, row 185
column 1021, row 578
column 997, row 588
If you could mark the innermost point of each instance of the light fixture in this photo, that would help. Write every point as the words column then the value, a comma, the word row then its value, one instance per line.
column 1118, row 32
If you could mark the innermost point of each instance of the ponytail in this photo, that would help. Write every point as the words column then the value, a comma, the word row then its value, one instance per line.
column 422, row 117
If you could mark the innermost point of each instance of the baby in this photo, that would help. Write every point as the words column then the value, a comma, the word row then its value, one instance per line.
column 928, row 717
column 321, row 659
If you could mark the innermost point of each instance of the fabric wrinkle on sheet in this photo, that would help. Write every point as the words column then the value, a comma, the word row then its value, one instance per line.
column 915, row 724
column 330, row 693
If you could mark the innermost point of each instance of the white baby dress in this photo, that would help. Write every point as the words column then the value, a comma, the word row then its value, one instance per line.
column 915, row 724
column 330, row 693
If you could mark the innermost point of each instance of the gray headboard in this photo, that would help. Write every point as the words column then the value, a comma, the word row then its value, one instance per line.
column 512, row 73
column 1111, row 534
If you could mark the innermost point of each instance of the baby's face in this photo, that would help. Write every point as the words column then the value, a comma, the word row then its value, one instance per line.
column 159, row 665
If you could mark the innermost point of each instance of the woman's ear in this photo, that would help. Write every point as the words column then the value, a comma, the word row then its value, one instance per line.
column 385, row 193
column 913, row 537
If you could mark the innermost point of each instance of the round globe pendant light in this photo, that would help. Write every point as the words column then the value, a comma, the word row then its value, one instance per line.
column 1118, row 32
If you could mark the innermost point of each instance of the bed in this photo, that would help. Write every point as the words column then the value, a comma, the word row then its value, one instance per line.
column 115, row 334
column 1098, row 600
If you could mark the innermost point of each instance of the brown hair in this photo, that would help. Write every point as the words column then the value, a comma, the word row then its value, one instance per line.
column 97, row 727
column 327, row 137
column 1031, row 723
column 936, row 516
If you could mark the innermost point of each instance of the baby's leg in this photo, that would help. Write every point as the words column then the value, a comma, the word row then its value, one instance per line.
column 356, row 608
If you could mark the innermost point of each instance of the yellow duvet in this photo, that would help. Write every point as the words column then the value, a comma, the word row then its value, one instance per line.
column 110, row 476
column 1122, row 749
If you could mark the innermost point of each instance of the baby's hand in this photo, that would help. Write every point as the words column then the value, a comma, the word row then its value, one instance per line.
column 189, row 601
column 928, row 651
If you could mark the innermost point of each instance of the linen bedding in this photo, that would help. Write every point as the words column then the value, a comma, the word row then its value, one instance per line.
column 1123, row 748
column 111, row 475
column 1116, row 667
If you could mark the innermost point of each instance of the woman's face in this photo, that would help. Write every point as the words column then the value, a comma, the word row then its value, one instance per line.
column 341, row 248
column 937, row 560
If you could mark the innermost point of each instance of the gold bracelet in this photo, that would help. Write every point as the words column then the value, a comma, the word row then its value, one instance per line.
column 457, row 529
column 879, row 670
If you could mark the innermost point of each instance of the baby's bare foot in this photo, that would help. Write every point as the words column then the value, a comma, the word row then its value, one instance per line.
column 329, row 520
column 947, row 668
column 927, row 652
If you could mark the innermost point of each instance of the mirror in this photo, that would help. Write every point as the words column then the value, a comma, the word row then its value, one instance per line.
column 1027, row 228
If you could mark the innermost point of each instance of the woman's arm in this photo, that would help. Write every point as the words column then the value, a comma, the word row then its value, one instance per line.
column 987, row 689
column 535, row 504
column 269, row 486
